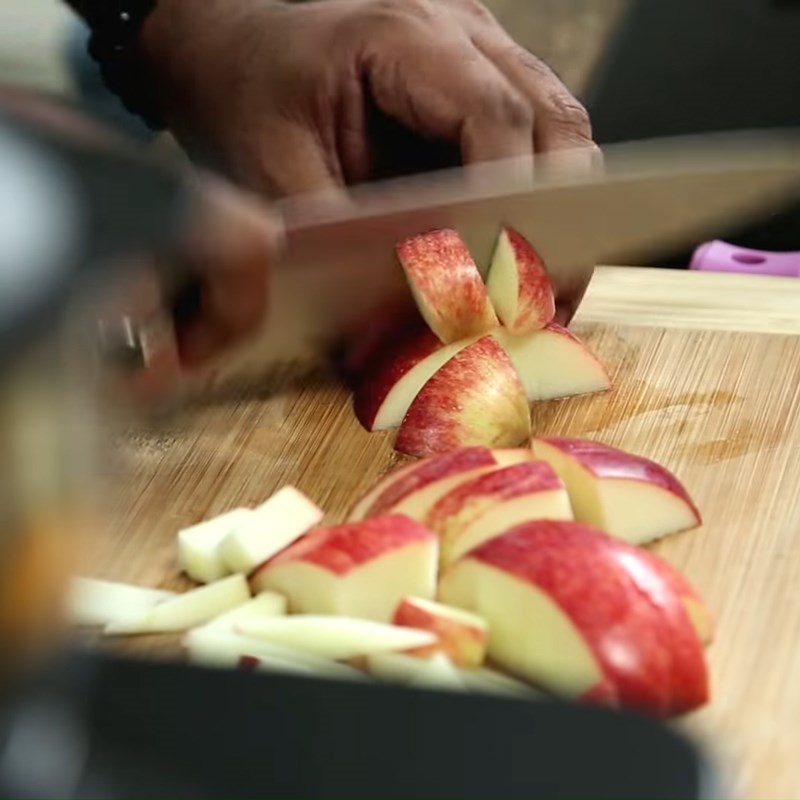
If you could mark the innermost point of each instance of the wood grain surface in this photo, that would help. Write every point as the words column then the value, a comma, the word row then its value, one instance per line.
column 709, row 386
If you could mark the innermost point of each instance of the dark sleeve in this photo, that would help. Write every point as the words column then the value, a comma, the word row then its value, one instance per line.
column 84, row 7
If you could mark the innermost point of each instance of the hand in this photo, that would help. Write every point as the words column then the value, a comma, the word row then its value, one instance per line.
column 290, row 98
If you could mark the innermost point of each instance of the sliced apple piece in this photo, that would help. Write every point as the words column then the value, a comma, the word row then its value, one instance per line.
column 446, row 285
column 625, row 495
column 271, row 527
column 186, row 610
column 438, row 673
column 490, row 681
column 475, row 399
column 212, row 646
column 491, row 503
column 386, row 393
column 266, row 604
column 519, row 285
column 579, row 613
column 361, row 569
column 96, row 602
column 553, row 363
column 461, row 636
column 338, row 638
column 394, row 667
column 198, row 546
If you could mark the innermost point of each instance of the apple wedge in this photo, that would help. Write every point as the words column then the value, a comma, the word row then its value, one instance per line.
column 385, row 394
column 489, row 504
column 361, row 569
column 553, row 363
column 461, row 636
column 519, row 286
column 271, row 527
column 198, row 546
column 266, row 604
column 186, row 610
column 93, row 602
column 212, row 646
column 446, row 285
column 338, row 638
column 625, row 495
column 579, row 613
column 418, row 485
column 490, row 681
column 475, row 399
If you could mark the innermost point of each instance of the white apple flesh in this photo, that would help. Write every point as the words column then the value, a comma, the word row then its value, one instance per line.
column 92, row 602
column 198, row 546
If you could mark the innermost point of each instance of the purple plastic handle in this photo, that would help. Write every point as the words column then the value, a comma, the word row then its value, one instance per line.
column 720, row 256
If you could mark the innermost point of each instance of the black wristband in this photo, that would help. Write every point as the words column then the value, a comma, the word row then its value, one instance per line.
column 115, row 26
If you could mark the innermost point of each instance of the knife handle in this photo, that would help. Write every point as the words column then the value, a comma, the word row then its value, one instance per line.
column 718, row 256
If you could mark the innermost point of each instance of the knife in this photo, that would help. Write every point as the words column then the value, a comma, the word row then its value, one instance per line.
column 339, row 267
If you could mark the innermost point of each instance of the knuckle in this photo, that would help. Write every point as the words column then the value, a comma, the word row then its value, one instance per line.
column 567, row 112
column 475, row 9
column 511, row 108
column 402, row 11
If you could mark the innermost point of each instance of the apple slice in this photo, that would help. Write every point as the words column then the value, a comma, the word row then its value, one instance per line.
column 385, row 394
column 553, row 363
column 266, row 604
column 490, row 681
column 475, row 399
column 490, row 504
column 198, row 546
column 362, row 569
column 461, row 636
column 581, row 614
column 186, row 610
column 338, row 638
column 625, row 495
column 93, row 602
column 446, row 285
column 519, row 285
column 212, row 646
column 271, row 527
column 438, row 673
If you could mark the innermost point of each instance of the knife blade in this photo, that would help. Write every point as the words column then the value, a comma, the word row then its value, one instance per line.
column 339, row 265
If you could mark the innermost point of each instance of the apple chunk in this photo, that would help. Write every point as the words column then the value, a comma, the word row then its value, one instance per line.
column 625, row 495
column 519, row 285
column 385, row 394
column 475, row 399
column 96, row 602
column 199, row 546
column 338, row 638
column 491, row 503
column 266, row 604
column 553, row 363
column 186, row 610
column 579, row 613
column 461, row 635
column 361, row 569
column 446, row 285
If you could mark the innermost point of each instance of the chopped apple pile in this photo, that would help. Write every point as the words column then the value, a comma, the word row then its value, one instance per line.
column 473, row 570
column 490, row 350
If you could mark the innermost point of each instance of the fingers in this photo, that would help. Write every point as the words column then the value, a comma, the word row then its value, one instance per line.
column 229, row 246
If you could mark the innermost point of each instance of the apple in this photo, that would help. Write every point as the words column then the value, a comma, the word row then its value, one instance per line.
column 271, row 527
column 362, row 569
column 489, row 504
column 579, row 613
column 446, row 285
column 399, row 489
column 475, row 399
column 93, row 602
column 461, row 636
column 490, row 681
column 212, row 646
column 266, row 604
column 437, row 672
column 185, row 610
column 519, row 286
column 625, row 495
column 198, row 546
column 338, row 638
column 553, row 363
column 385, row 394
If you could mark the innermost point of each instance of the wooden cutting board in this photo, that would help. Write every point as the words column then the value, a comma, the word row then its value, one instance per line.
column 706, row 371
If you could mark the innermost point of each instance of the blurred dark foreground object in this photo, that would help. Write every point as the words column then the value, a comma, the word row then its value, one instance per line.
column 99, row 727
column 685, row 67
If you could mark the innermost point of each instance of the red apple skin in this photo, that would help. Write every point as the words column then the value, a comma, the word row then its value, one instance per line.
column 375, row 386
column 476, row 398
column 599, row 582
column 609, row 462
column 450, row 292
column 426, row 472
column 502, row 484
column 343, row 548
column 536, row 305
